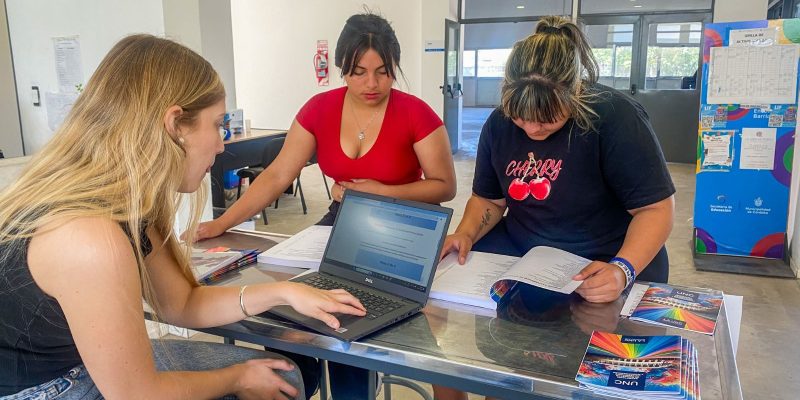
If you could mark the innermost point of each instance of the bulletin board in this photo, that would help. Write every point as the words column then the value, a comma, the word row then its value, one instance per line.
column 745, row 143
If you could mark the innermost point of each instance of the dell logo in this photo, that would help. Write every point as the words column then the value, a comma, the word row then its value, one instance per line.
column 368, row 280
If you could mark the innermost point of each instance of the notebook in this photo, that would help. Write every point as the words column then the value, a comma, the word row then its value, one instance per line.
column 383, row 251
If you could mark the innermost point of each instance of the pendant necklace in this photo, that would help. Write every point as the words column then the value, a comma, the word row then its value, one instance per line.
column 362, row 132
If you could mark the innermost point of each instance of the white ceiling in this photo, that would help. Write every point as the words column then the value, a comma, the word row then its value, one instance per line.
column 508, row 8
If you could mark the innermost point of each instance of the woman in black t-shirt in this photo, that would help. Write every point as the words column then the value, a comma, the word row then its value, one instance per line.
column 575, row 163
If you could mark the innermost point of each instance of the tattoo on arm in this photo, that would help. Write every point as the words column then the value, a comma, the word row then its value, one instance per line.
column 485, row 219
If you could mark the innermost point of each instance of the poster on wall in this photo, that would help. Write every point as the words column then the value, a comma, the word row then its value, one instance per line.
column 748, row 116
column 69, row 71
column 717, row 150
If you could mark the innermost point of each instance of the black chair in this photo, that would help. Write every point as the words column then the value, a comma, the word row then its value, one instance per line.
column 309, row 163
column 271, row 151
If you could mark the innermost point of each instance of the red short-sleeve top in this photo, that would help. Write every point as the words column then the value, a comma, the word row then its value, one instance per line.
column 391, row 160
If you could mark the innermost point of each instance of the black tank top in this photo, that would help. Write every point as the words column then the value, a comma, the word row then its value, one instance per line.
column 36, row 345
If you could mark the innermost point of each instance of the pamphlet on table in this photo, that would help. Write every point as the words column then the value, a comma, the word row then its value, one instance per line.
column 640, row 367
column 210, row 264
column 485, row 277
column 692, row 309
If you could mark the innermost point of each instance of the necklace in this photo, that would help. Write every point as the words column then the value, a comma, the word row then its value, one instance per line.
column 362, row 132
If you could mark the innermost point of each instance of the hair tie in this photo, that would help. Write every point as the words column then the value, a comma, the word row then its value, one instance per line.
column 551, row 29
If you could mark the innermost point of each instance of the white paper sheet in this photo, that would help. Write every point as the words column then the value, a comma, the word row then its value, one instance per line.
column 58, row 106
column 69, row 69
column 549, row 268
column 752, row 74
column 758, row 148
column 303, row 250
column 733, row 310
column 753, row 37
column 633, row 299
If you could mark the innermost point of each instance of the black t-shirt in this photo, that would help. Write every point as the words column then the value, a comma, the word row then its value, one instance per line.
column 36, row 345
column 576, row 195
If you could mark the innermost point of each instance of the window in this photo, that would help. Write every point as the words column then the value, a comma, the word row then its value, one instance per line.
column 469, row 63
column 492, row 62
column 611, row 46
column 673, row 53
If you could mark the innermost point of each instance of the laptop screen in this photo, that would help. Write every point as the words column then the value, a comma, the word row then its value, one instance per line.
column 395, row 242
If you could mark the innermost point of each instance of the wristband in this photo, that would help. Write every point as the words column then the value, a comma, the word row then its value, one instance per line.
column 627, row 268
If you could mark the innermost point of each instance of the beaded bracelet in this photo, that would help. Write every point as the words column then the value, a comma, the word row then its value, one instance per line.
column 627, row 269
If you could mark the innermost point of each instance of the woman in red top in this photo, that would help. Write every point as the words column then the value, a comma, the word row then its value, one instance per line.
column 368, row 137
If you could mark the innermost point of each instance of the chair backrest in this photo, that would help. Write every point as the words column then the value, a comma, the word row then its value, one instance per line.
column 271, row 151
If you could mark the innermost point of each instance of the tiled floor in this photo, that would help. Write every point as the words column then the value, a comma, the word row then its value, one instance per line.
column 768, row 351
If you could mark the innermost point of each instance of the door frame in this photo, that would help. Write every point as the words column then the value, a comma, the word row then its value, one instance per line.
column 452, row 88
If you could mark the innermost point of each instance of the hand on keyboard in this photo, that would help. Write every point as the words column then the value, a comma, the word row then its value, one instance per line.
column 320, row 304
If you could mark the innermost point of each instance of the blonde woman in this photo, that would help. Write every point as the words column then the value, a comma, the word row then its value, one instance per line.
column 86, row 233
column 576, row 165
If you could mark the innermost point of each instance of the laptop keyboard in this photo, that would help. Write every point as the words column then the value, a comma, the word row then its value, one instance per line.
column 376, row 305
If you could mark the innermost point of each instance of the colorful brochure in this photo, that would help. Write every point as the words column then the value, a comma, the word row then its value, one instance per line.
column 640, row 367
column 209, row 265
column 691, row 309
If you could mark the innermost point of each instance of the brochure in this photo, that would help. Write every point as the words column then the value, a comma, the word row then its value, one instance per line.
column 691, row 309
column 209, row 265
column 638, row 367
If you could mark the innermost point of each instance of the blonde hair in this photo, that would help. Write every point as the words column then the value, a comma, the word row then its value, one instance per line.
column 113, row 157
column 548, row 75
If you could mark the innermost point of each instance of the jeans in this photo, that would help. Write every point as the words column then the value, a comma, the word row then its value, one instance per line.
column 170, row 355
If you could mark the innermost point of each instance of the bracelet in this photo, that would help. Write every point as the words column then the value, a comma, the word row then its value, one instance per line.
column 241, row 301
column 627, row 269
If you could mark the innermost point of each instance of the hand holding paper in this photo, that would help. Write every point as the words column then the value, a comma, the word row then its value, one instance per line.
column 602, row 282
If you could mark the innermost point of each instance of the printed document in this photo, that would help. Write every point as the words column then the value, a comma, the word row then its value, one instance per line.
column 303, row 250
column 486, row 277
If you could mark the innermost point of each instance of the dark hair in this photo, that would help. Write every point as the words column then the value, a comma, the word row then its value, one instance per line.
column 367, row 31
column 549, row 74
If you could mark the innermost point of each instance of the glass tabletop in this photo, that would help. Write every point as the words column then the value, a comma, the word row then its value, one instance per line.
column 534, row 342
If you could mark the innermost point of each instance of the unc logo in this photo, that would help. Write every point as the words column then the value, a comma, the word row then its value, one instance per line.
column 758, row 202
column 368, row 280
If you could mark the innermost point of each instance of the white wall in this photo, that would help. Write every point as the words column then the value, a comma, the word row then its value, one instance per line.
column 182, row 23
column 739, row 10
column 274, row 43
column 217, row 40
column 98, row 23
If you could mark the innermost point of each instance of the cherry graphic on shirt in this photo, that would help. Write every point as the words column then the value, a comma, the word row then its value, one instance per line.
column 540, row 188
column 518, row 189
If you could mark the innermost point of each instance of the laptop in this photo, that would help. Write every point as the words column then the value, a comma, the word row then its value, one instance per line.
column 382, row 250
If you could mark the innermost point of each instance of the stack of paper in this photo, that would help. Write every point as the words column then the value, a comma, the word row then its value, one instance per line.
column 640, row 367
column 303, row 250
column 691, row 309
column 209, row 265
